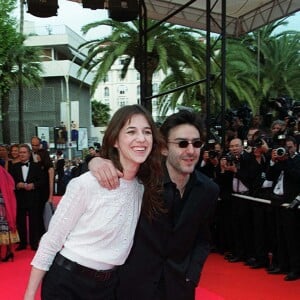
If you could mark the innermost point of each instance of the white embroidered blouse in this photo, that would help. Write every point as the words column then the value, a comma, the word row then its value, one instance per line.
column 92, row 226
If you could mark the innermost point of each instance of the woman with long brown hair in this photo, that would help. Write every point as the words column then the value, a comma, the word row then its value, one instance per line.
column 91, row 232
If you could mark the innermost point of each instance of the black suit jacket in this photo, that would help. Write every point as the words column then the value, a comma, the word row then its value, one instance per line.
column 171, row 251
column 35, row 176
column 291, row 179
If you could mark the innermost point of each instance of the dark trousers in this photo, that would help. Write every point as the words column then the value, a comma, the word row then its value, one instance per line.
column 187, row 291
column 261, row 235
column 242, row 220
column 224, row 227
column 34, row 223
column 289, row 242
column 62, row 284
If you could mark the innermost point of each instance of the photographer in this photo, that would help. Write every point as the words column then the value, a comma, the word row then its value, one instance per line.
column 209, row 164
column 260, row 211
column 239, row 173
column 284, row 172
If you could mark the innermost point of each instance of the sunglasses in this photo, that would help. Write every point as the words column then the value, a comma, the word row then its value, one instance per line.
column 185, row 143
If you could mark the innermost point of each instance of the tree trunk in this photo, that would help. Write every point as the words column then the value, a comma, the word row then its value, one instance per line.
column 20, row 83
column 21, row 105
column 22, row 2
column 5, row 117
column 148, row 102
column 151, row 65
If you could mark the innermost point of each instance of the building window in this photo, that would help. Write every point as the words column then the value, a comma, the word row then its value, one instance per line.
column 105, row 79
column 122, row 89
column 138, row 90
column 106, row 92
column 155, row 88
column 138, row 76
column 122, row 61
column 122, row 102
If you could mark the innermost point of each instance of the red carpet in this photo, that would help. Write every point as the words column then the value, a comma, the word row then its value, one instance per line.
column 220, row 281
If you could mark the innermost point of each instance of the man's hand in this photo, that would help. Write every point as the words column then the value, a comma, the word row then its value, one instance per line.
column 105, row 172
column 29, row 186
column 295, row 203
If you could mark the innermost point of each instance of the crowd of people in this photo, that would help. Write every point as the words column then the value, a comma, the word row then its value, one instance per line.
column 258, row 171
column 31, row 170
column 254, row 172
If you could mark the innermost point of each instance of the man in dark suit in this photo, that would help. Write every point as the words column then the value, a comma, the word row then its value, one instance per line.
column 170, row 250
column 285, row 174
column 59, row 172
column 28, row 179
column 41, row 156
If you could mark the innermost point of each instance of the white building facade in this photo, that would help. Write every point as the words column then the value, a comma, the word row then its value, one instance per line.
column 117, row 92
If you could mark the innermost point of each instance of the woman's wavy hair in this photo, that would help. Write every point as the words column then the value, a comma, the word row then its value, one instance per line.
column 150, row 172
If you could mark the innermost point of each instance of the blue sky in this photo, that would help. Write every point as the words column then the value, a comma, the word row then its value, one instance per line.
column 293, row 22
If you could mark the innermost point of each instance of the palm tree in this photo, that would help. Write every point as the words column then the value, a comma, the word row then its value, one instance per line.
column 100, row 113
column 168, row 48
column 250, row 78
column 8, row 41
column 16, row 67
column 29, row 74
column 193, row 96
column 280, row 71
column 277, row 58
column 241, row 84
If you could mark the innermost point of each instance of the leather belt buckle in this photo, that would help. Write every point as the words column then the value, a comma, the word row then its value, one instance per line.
column 84, row 271
column 103, row 276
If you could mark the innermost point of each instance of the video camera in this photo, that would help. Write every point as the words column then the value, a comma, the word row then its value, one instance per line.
column 257, row 143
column 231, row 159
column 287, row 107
column 210, row 147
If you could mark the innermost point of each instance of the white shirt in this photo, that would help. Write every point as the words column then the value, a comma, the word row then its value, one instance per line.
column 94, row 226
column 278, row 189
column 25, row 170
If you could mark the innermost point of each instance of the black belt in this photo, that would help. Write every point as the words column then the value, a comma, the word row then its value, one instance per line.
column 101, row 275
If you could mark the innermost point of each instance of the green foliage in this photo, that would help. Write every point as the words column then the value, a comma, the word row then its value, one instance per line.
column 258, row 66
column 9, row 38
column 169, row 47
column 277, row 62
column 100, row 113
column 18, row 63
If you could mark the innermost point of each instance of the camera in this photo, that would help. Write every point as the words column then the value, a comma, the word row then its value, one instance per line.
column 231, row 159
column 291, row 122
column 257, row 143
column 281, row 151
column 97, row 146
column 280, row 145
column 210, row 147
column 213, row 154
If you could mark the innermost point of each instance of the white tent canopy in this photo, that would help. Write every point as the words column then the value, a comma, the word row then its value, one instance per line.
column 242, row 16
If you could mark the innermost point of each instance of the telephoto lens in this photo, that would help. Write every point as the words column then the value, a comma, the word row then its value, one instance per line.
column 280, row 151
